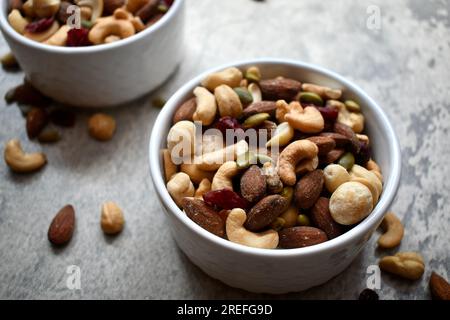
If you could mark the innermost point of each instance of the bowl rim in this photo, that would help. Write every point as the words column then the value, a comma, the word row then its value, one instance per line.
column 6, row 28
column 389, row 192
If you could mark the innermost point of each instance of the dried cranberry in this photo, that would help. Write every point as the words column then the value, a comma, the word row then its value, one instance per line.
column 227, row 122
column 364, row 154
column 78, row 37
column 368, row 295
column 167, row 2
column 39, row 25
column 328, row 113
column 225, row 199
column 63, row 118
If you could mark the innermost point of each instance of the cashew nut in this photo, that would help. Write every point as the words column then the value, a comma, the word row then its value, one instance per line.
column 224, row 175
column 169, row 167
column 206, row 106
column 59, row 38
column 27, row 8
column 360, row 172
column 350, row 203
column 134, row 5
column 179, row 187
column 308, row 120
column 255, row 91
column 372, row 166
column 17, row 22
column 393, row 231
column 45, row 8
column 273, row 182
column 110, row 26
column 195, row 173
column 408, row 265
column 352, row 119
column 307, row 165
column 335, row 175
column 44, row 35
column 95, row 5
column 203, row 187
column 363, row 138
column 213, row 160
column 237, row 233
column 19, row 161
column 181, row 140
column 324, row 92
column 228, row 101
column 291, row 156
column 231, row 77
column 211, row 142
column 370, row 186
column 282, row 136
column 283, row 108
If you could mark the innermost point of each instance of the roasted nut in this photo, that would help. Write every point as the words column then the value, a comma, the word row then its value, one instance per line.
column 253, row 74
column 95, row 5
column 273, row 181
column 265, row 211
column 350, row 203
column 22, row 162
column 62, row 226
column 244, row 95
column 347, row 161
column 211, row 161
column 334, row 176
column 109, row 6
column 179, row 187
column 43, row 35
column 352, row 106
column 259, row 107
column 308, row 189
column 148, row 10
column 370, row 186
column 27, row 8
column 361, row 172
column 231, row 77
column 180, row 140
column 203, row 187
column 203, row 215
column 307, row 165
column 37, row 119
column 340, row 140
column 439, row 287
column 291, row 156
column 325, row 144
column 224, row 175
column 354, row 120
column 185, row 111
column 255, row 120
column 49, row 135
column 195, row 173
column 111, row 220
column 228, row 101
column 280, row 89
column 169, row 167
column 16, row 21
column 346, row 131
column 253, row 184
column 324, row 92
column 407, row 265
column 299, row 237
column 310, row 98
column 238, row 234
column 206, row 106
column 282, row 136
column 255, row 91
column 45, row 8
column 110, row 26
column 15, row 4
column 332, row 156
column 134, row 5
column 101, row 126
column 320, row 215
column 393, row 231
column 373, row 166
column 59, row 38
column 308, row 120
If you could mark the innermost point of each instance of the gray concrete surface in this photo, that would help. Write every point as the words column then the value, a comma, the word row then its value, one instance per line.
column 404, row 65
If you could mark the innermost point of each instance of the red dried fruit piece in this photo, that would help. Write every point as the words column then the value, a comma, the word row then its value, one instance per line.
column 62, row 118
column 227, row 122
column 364, row 154
column 78, row 37
column 39, row 25
column 225, row 199
column 329, row 114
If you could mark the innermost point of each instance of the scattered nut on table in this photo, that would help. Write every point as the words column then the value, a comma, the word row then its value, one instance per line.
column 101, row 126
column 112, row 219
column 22, row 162
column 407, row 265
column 393, row 231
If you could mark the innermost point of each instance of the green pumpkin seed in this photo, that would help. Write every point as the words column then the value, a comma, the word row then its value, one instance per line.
column 278, row 224
column 253, row 74
column 311, row 97
column 244, row 95
column 303, row 220
column 287, row 193
column 347, row 161
column 255, row 120
column 244, row 160
column 352, row 106
column 163, row 8
column 86, row 24
column 263, row 158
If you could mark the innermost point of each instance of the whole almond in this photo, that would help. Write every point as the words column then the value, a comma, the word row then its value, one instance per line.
column 346, row 131
column 331, row 156
column 37, row 119
column 265, row 212
column 185, row 111
column 308, row 189
column 253, row 184
column 280, row 88
column 203, row 215
column 148, row 10
column 325, row 144
column 340, row 140
column 61, row 229
column 439, row 287
column 259, row 107
column 299, row 237
column 321, row 217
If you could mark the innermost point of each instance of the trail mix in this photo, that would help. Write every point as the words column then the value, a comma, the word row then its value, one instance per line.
column 83, row 22
column 308, row 178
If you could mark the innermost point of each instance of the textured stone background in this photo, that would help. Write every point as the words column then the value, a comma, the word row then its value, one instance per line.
column 404, row 66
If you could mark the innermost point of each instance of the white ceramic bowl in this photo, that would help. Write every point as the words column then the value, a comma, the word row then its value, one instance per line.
column 103, row 75
column 280, row 270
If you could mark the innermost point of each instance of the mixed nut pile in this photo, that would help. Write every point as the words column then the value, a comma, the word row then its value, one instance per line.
column 83, row 22
column 311, row 181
